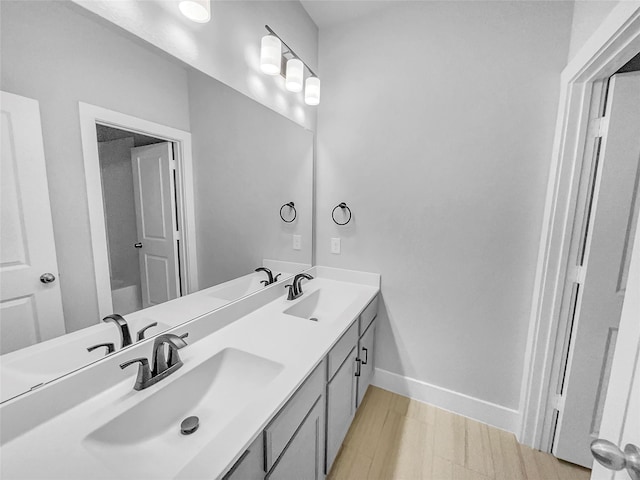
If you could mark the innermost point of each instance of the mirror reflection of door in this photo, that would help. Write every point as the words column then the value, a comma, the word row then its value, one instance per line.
column 138, row 184
column 30, row 301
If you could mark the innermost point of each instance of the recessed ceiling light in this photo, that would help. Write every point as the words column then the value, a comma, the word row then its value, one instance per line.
column 196, row 10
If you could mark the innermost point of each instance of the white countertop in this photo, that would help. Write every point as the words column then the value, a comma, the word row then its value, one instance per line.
column 40, row 363
column 56, row 448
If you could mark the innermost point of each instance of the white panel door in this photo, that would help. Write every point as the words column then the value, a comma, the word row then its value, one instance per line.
column 153, row 184
column 621, row 417
column 608, row 251
column 30, row 309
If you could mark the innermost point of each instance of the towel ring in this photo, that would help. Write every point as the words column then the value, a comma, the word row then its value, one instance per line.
column 292, row 207
column 343, row 206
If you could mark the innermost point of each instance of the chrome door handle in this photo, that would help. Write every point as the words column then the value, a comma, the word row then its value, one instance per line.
column 358, row 363
column 366, row 355
column 137, row 245
column 610, row 456
column 47, row 278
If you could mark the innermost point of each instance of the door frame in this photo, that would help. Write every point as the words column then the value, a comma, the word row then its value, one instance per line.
column 615, row 42
column 92, row 115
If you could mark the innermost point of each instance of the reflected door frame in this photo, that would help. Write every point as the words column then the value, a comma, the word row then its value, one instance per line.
column 92, row 115
column 582, row 82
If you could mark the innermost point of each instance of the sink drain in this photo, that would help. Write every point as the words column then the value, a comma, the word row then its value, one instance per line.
column 313, row 319
column 189, row 425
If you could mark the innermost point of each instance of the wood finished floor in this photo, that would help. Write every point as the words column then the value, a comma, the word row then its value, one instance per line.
column 394, row 437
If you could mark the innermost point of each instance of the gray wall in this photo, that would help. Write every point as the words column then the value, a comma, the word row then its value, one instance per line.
column 248, row 161
column 436, row 127
column 120, row 212
column 59, row 57
column 588, row 15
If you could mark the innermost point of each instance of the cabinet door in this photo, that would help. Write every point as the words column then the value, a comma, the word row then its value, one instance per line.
column 365, row 353
column 302, row 459
column 341, row 406
column 250, row 465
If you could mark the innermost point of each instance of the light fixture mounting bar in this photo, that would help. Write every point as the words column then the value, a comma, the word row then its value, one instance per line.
column 270, row 30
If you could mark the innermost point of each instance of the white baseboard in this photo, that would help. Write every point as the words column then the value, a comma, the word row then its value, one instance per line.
column 459, row 403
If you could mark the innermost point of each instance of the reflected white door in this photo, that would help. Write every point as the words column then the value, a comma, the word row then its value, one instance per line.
column 30, row 308
column 621, row 417
column 601, row 295
column 154, row 193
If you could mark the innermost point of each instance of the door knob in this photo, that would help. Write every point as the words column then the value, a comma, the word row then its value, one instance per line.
column 137, row 245
column 47, row 278
column 610, row 456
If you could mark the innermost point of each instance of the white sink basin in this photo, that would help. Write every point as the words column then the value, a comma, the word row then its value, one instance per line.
column 322, row 305
column 145, row 440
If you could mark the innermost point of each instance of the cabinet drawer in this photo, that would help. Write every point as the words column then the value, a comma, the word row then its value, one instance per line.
column 281, row 429
column 368, row 314
column 341, row 349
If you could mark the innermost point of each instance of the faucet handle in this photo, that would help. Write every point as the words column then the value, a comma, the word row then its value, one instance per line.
column 275, row 279
column 292, row 292
column 140, row 334
column 174, row 358
column 144, row 372
column 110, row 347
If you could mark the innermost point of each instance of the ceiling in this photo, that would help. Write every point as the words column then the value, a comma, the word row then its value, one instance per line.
column 326, row 13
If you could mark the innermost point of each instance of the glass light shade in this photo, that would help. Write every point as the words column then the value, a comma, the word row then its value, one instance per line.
column 312, row 91
column 271, row 55
column 196, row 10
column 295, row 75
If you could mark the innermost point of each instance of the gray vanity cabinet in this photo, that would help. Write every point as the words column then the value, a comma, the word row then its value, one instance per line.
column 250, row 465
column 365, row 354
column 304, row 438
column 349, row 382
column 341, row 405
column 303, row 457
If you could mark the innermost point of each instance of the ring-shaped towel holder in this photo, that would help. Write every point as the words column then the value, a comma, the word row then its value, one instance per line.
column 292, row 207
column 343, row 206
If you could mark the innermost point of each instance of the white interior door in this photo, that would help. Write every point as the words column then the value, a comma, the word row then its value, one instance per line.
column 621, row 417
column 154, row 185
column 30, row 300
column 607, row 260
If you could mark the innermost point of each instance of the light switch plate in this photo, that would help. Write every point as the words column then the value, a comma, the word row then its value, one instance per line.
column 335, row 245
column 297, row 242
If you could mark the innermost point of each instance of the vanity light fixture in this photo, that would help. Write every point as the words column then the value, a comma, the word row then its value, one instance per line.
column 312, row 91
column 295, row 75
column 272, row 59
column 197, row 10
column 271, row 55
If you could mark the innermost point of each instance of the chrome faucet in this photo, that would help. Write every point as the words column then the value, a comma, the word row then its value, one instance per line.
column 123, row 328
column 295, row 289
column 271, row 279
column 163, row 366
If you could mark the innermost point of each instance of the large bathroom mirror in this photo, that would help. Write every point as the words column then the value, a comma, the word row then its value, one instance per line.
column 163, row 185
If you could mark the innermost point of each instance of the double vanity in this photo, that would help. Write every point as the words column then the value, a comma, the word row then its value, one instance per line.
column 264, row 387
